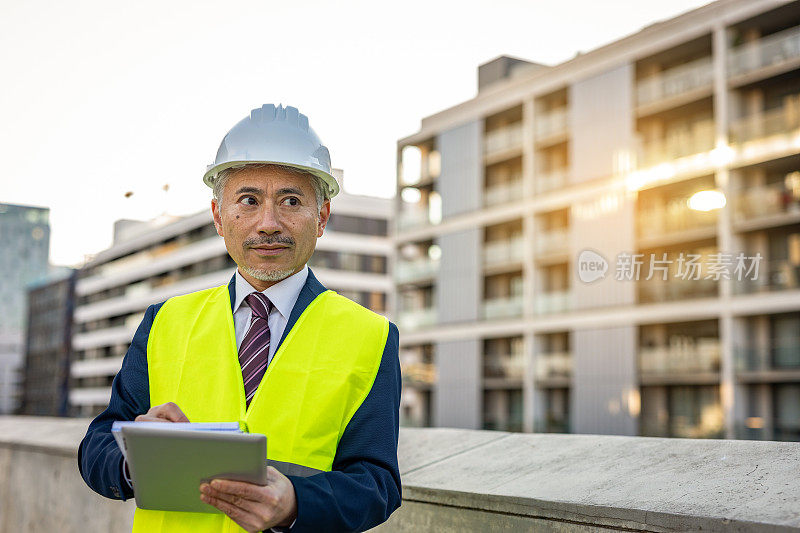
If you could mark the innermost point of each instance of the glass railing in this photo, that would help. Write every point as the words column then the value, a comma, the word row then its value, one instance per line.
column 552, row 241
column 673, row 218
column 506, row 251
column 784, row 354
column 412, row 218
column 553, row 365
column 503, row 193
column 781, row 121
column 550, row 181
column 551, row 425
column 406, row 271
column 675, row 81
column 686, row 354
column 776, row 49
column 418, row 373
column 509, row 366
column 502, row 139
column 656, row 290
column 691, row 140
column 508, row 307
column 551, row 123
column 772, row 275
column 767, row 200
column 553, row 302
column 416, row 319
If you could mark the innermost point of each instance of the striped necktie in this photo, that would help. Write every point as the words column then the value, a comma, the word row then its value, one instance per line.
column 254, row 350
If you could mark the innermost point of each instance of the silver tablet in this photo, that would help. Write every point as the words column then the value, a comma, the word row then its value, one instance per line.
column 167, row 466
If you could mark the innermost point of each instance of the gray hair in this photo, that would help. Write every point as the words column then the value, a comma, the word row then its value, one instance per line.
column 320, row 187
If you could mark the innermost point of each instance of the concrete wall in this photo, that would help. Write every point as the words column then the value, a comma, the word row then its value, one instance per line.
column 458, row 397
column 461, row 480
column 461, row 180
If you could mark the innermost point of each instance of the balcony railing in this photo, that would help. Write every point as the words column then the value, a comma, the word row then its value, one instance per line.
column 772, row 275
column 657, row 290
column 412, row 218
column 776, row 49
column 675, row 217
column 552, row 241
column 509, row 366
column 508, row 307
column 551, row 123
column 784, row 120
column 505, row 251
column 550, row 181
column 407, row 271
column 686, row 355
column 416, row 319
column 767, row 200
column 502, row 139
column 553, row 365
column 418, row 373
column 675, row 81
column 784, row 354
column 503, row 193
column 553, row 302
column 691, row 140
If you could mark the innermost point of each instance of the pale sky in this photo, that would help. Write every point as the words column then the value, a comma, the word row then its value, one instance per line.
column 104, row 97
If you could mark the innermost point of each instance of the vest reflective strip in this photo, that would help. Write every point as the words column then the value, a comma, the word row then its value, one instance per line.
column 316, row 381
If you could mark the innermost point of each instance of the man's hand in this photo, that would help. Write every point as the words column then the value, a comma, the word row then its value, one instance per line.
column 253, row 507
column 168, row 412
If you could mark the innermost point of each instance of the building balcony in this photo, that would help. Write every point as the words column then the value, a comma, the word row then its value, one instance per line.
column 772, row 275
column 503, row 139
column 656, row 290
column 693, row 140
column 409, row 219
column 553, row 366
column 418, row 269
column 767, row 201
column 553, row 302
column 509, row 366
column 507, row 307
column 682, row 80
column 783, row 122
column 686, row 356
column 505, row 251
column 417, row 318
column 552, row 241
column 552, row 125
column 418, row 374
column 776, row 52
column 782, row 357
column 676, row 218
column 550, row 181
column 503, row 193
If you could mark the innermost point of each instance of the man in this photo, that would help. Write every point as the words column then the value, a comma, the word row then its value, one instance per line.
column 315, row 372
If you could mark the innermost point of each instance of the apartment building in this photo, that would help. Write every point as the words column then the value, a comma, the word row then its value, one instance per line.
column 150, row 262
column 24, row 258
column 612, row 245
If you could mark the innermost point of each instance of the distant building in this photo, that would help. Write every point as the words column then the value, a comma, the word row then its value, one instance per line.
column 152, row 261
column 24, row 253
column 499, row 195
column 48, row 348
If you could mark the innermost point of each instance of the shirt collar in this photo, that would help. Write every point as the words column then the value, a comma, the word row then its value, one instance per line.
column 283, row 294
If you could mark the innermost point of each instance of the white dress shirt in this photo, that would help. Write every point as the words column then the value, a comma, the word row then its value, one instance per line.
column 283, row 296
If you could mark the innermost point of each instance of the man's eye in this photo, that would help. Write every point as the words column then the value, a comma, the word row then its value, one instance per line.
column 248, row 200
column 291, row 200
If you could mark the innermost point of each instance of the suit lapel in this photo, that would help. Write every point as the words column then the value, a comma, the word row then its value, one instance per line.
column 311, row 289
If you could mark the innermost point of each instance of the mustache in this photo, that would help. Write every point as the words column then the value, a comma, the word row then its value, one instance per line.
column 269, row 239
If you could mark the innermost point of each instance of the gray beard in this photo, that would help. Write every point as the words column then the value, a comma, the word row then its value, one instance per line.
column 268, row 275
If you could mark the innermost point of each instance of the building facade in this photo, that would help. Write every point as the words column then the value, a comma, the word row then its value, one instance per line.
column 153, row 261
column 25, row 245
column 557, row 268
column 48, row 345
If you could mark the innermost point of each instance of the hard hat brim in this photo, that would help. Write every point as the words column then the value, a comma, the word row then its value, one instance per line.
column 329, row 180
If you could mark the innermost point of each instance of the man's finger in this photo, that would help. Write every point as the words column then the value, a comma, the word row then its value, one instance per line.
column 248, row 491
column 171, row 412
column 237, row 514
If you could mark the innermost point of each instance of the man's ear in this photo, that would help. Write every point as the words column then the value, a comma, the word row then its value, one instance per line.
column 217, row 217
column 324, row 216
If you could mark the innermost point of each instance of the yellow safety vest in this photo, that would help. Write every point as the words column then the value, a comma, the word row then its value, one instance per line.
column 313, row 386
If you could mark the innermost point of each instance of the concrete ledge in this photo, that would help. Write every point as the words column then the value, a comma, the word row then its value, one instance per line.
column 462, row 480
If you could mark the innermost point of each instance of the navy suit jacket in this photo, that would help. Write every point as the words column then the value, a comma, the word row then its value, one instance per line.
column 361, row 491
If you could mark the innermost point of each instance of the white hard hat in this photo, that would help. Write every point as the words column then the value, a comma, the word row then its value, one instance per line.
column 278, row 135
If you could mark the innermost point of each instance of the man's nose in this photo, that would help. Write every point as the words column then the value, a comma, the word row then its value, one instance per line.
column 269, row 221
